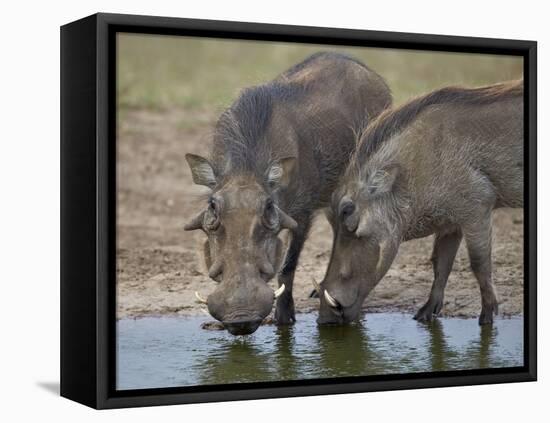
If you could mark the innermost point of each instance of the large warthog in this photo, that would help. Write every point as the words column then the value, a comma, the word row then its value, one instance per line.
column 438, row 165
column 277, row 154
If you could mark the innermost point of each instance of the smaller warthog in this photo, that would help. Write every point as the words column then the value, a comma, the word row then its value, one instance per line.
column 437, row 165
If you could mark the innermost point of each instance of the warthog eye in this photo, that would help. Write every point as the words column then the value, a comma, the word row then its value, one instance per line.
column 347, row 210
column 348, row 217
column 212, row 219
column 270, row 217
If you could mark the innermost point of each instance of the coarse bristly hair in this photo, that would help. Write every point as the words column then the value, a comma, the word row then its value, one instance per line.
column 393, row 121
column 239, row 138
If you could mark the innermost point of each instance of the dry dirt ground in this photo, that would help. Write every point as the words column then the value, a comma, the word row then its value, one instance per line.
column 159, row 265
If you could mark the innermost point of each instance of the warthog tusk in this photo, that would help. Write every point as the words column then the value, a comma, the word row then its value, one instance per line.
column 331, row 301
column 316, row 285
column 279, row 291
column 200, row 299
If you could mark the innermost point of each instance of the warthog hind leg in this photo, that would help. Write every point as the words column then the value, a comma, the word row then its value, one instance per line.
column 478, row 241
column 443, row 256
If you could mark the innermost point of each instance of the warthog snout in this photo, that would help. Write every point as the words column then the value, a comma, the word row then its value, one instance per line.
column 242, row 311
column 242, row 327
column 333, row 311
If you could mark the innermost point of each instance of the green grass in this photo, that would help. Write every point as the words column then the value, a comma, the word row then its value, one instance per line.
column 160, row 72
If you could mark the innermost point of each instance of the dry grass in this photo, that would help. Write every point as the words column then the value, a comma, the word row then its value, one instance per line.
column 159, row 72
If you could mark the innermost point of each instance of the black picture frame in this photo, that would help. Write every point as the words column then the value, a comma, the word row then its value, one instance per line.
column 88, row 136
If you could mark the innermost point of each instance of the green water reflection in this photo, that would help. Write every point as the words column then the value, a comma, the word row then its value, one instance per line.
column 163, row 352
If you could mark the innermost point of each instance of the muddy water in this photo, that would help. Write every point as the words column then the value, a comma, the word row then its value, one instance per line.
column 158, row 352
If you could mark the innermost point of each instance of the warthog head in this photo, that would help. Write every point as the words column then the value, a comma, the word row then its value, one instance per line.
column 366, row 238
column 243, row 250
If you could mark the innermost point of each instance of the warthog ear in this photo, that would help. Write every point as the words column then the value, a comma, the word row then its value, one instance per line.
column 280, row 171
column 202, row 170
column 382, row 180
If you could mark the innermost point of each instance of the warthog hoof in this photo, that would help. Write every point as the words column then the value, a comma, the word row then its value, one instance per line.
column 487, row 313
column 429, row 311
column 284, row 317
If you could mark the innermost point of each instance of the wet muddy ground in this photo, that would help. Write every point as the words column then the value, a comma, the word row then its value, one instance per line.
column 159, row 265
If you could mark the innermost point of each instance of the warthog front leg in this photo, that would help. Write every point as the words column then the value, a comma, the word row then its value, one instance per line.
column 284, row 309
column 314, row 292
column 478, row 240
column 443, row 256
